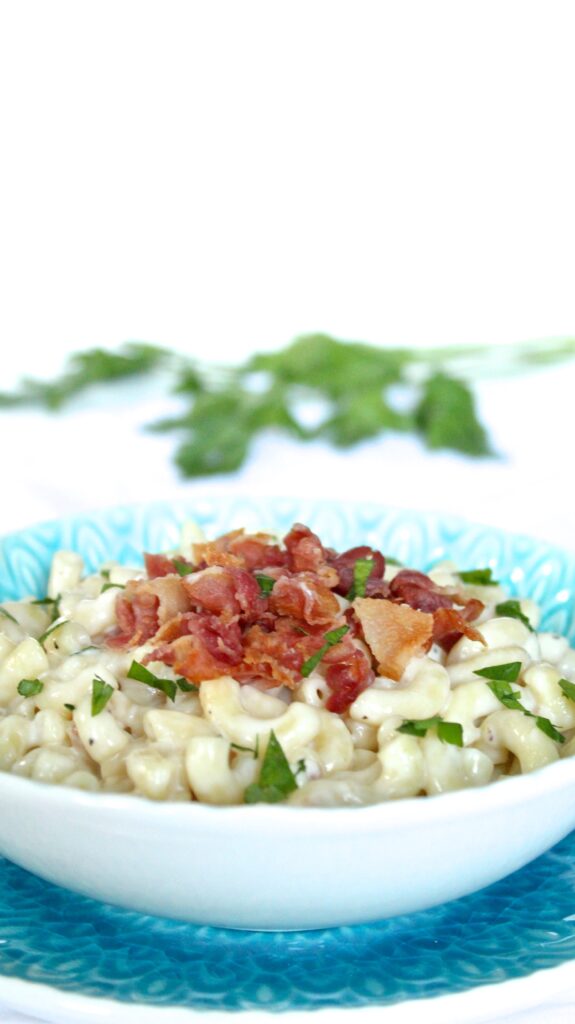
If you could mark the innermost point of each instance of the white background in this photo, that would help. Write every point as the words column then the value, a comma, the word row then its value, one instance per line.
column 223, row 176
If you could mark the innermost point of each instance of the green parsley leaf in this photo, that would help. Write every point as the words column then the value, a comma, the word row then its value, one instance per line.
column 331, row 639
column 248, row 750
column 30, row 687
column 362, row 570
column 143, row 675
column 549, row 729
column 70, row 707
column 51, row 629
column 265, row 583
column 359, row 416
column 94, row 366
column 446, row 417
column 187, row 687
column 509, row 699
column 448, row 732
column 109, row 586
column 276, row 779
column 105, row 573
column 54, row 601
column 390, row 560
column 568, row 688
column 101, row 693
column 183, row 568
column 478, row 577
column 7, row 615
column 512, row 610
column 507, row 673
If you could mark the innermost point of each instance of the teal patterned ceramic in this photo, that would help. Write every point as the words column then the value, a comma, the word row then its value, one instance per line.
column 520, row 925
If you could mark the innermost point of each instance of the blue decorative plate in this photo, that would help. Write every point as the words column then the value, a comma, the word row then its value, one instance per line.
column 516, row 927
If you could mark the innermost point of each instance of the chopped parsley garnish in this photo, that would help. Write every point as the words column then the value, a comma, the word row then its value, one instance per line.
column 506, row 673
column 54, row 601
column 478, row 577
column 187, row 687
column 108, row 586
column 167, row 686
column 7, row 615
column 276, row 779
column 183, row 568
column 248, row 750
column 30, row 687
column 331, row 639
column 568, row 688
column 512, row 610
column 448, row 732
column 390, row 560
column 361, row 572
column 105, row 573
column 510, row 699
column 51, row 629
column 548, row 728
column 265, row 583
column 70, row 707
column 101, row 693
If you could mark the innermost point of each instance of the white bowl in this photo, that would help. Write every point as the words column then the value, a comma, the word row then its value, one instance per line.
column 273, row 866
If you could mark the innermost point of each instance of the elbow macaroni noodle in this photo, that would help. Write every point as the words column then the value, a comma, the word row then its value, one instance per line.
column 210, row 745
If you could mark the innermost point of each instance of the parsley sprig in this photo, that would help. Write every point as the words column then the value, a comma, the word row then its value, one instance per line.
column 168, row 686
column 448, row 732
column 330, row 640
column 276, row 779
column 499, row 679
column 226, row 408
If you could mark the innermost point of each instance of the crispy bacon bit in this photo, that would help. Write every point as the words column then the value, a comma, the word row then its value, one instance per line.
column 215, row 619
column 231, row 593
column 144, row 606
column 348, row 673
column 344, row 566
column 449, row 625
column 258, row 551
column 276, row 658
column 158, row 565
column 205, row 648
column 304, row 597
column 240, row 550
column 395, row 633
column 418, row 591
column 306, row 552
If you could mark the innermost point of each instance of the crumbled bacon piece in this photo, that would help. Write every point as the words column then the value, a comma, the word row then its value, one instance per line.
column 418, row 591
column 277, row 657
column 348, row 673
column 395, row 633
column 240, row 550
column 143, row 606
column 449, row 624
column 158, row 565
column 304, row 597
column 204, row 649
column 228, row 592
column 344, row 565
column 306, row 552
column 257, row 551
